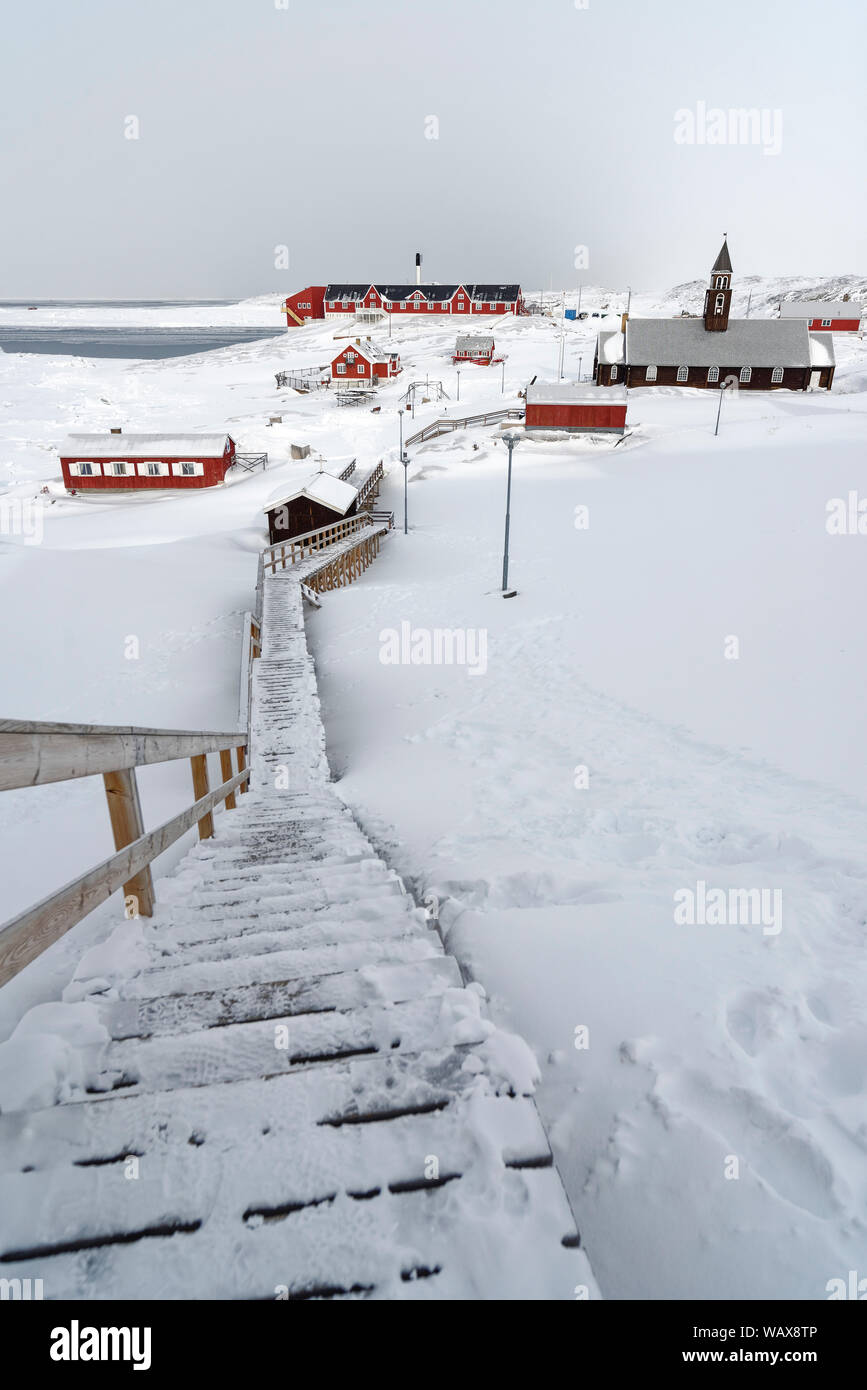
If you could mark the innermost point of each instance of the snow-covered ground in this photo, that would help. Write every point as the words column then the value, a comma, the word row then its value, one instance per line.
column 606, row 755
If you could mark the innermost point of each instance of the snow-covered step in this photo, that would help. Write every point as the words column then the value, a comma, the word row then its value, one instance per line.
column 188, row 1012
column 250, row 943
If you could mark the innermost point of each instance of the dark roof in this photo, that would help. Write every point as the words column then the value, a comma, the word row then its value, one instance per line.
column 500, row 293
column 722, row 265
column 346, row 291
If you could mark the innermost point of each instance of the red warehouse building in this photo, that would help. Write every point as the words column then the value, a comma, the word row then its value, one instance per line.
column 365, row 362
column 577, row 409
column 474, row 347
column 307, row 304
column 113, row 461
column 832, row 316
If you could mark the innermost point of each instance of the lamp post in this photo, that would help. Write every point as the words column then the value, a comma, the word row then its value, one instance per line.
column 580, row 360
column 405, row 461
column 459, row 384
column 510, row 440
column 503, row 379
column 723, row 387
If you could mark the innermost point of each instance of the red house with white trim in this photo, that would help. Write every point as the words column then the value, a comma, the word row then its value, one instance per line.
column 474, row 347
column 117, row 461
column 575, row 408
column 409, row 301
column 828, row 316
column 364, row 362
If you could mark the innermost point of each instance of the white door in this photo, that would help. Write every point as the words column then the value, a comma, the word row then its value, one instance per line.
column 814, row 380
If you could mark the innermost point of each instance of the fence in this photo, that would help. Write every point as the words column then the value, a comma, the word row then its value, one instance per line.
column 446, row 425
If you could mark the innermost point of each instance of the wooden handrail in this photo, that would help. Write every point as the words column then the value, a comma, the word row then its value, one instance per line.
column 26, row 936
column 283, row 553
column 446, row 424
column 34, row 753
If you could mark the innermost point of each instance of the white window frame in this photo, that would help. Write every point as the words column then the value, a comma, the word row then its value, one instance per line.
column 360, row 369
column 745, row 374
column 94, row 467
column 713, row 374
column 188, row 468
column 776, row 376
column 683, row 374
column 350, row 356
column 341, row 369
column 650, row 374
column 613, row 374
column 430, row 304
column 826, row 323
column 160, row 470
column 719, row 304
column 121, row 468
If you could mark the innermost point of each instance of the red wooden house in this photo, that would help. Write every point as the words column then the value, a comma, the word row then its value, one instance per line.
column 576, row 409
column 362, row 362
column 474, row 347
column 105, row 462
column 829, row 316
column 304, row 305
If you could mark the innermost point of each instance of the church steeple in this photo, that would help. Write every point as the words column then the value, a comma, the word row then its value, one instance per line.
column 718, row 298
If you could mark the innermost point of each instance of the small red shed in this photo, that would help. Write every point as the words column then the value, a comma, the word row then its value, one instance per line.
column 106, row 462
column 474, row 347
column 576, row 408
column 366, row 362
column 321, row 501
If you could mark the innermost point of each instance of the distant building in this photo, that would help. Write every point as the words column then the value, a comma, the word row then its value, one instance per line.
column 833, row 315
column 364, row 362
column 321, row 501
column 758, row 354
column 118, row 461
column 474, row 347
column 349, row 300
column 578, row 409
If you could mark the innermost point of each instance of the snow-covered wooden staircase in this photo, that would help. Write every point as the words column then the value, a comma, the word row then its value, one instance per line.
column 299, row 1098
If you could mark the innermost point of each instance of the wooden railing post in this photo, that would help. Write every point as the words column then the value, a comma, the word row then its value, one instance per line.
column 124, row 809
column 242, row 763
column 227, row 772
column 201, row 787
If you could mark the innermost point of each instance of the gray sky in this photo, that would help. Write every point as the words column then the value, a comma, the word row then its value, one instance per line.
column 307, row 126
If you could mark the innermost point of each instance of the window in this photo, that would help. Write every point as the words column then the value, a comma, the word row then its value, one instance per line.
column 153, row 469
column 613, row 375
column 350, row 357
column 119, row 468
column 777, row 374
column 360, row 369
column 650, row 374
column 720, row 304
column 683, row 373
column 85, row 469
column 713, row 373
column 826, row 323
column 403, row 304
column 341, row 369
column 746, row 373
column 722, row 282
column 188, row 469
column 431, row 304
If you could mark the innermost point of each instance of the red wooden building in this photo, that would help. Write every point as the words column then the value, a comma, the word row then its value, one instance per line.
column 305, row 305
column 318, row 503
column 474, row 347
column 409, row 301
column 576, row 409
column 364, row 362
column 130, row 461
column 831, row 316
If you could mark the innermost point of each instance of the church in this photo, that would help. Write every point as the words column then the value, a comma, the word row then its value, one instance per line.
column 707, row 351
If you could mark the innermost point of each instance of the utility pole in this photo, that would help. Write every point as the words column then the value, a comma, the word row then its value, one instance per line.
column 459, row 384
column 580, row 360
column 719, row 407
column 510, row 440
column 405, row 461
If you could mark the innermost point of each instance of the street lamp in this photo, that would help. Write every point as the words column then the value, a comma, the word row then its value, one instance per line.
column 580, row 360
column 405, row 461
column 503, row 381
column 459, row 384
column 724, row 385
column 510, row 440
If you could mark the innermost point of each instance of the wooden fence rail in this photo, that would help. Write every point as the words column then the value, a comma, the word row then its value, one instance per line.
column 301, row 547
column 369, row 489
column 459, row 422
column 34, row 753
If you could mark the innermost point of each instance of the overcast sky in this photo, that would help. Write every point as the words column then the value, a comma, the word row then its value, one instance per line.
column 307, row 124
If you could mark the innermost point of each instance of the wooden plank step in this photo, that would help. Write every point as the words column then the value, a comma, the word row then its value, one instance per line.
column 300, row 938
column 189, row 1012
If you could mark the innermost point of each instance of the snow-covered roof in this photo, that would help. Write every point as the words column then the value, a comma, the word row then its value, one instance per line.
column 609, row 345
column 497, row 293
column 821, row 350
column 474, row 342
column 821, row 309
column 323, row 488
column 746, row 342
column 144, row 446
column 372, row 352
column 571, row 393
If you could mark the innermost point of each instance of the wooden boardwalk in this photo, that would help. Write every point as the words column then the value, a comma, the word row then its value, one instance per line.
column 300, row 1099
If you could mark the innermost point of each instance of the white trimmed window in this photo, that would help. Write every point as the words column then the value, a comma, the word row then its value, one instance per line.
column 826, row 323
column 431, row 304
column 350, row 357
column 360, row 369
column 613, row 376
column 403, row 304
column 683, row 373
column 777, row 374
column 720, row 304
column 153, row 469
column 188, row 469
column 722, row 282
column 746, row 373
column 119, row 468
column 86, row 469
column 650, row 374
column 713, row 373
column 341, row 369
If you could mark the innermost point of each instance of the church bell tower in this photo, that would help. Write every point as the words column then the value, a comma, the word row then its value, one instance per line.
column 718, row 297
